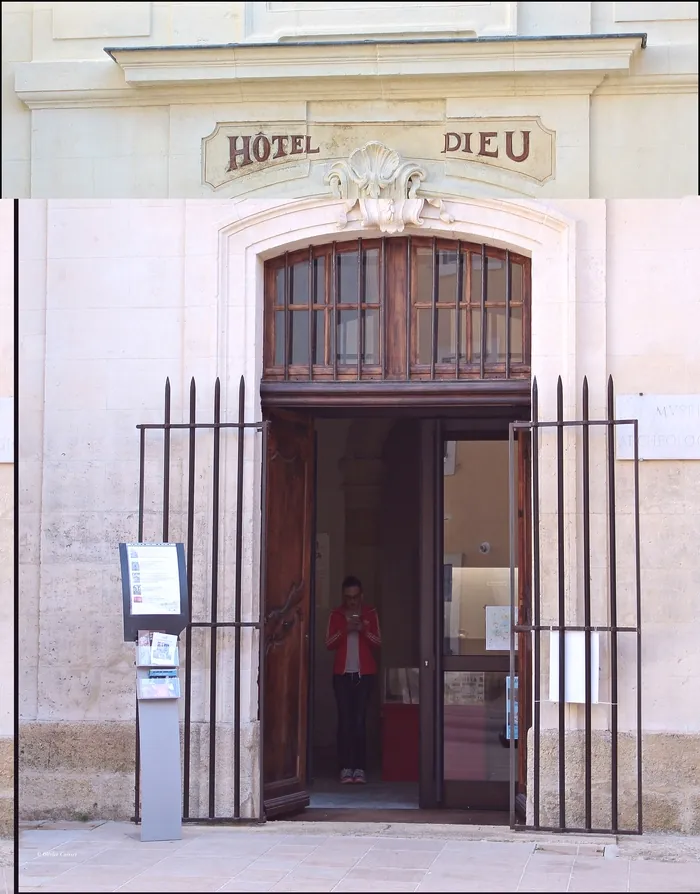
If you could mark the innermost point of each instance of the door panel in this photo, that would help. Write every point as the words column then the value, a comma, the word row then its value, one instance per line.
column 289, row 521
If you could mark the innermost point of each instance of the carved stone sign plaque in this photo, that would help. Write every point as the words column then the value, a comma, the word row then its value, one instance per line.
column 521, row 146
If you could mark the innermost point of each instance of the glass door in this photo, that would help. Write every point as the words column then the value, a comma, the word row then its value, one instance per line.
column 474, row 673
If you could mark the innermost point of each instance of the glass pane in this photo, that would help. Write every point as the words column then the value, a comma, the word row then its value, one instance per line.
column 346, row 342
column 320, row 339
column 447, row 277
column 475, row 293
column 299, row 324
column 446, row 336
column 299, row 283
column 370, row 347
column 320, row 278
column 371, row 269
column 496, row 291
column 279, row 338
column 463, row 335
column 476, row 334
column 496, row 335
column 475, row 718
column 516, row 282
column 347, row 277
column 516, row 335
column 424, row 344
column 422, row 284
column 476, row 540
column 279, row 287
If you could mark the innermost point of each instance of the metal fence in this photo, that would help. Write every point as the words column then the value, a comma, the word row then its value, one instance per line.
column 214, row 624
column 533, row 627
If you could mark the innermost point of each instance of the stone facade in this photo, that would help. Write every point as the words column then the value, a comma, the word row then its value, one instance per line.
column 7, row 519
column 99, row 278
column 163, row 151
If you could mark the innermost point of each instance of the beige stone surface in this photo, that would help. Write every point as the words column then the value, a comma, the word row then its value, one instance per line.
column 75, row 126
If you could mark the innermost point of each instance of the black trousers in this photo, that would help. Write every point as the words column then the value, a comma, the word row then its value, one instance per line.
column 352, row 693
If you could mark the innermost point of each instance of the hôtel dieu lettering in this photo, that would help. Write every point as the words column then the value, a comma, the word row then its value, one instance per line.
column 522, row 146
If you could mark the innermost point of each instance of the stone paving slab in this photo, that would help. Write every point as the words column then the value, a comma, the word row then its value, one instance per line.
column 298, row 856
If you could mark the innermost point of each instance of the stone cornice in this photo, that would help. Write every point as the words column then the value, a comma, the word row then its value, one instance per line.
column 415, row 69
column 448, row 57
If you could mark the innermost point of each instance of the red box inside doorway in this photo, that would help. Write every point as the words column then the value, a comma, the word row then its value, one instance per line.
column 400, row 742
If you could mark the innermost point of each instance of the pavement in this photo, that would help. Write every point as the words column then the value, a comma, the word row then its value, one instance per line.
column 306, row 856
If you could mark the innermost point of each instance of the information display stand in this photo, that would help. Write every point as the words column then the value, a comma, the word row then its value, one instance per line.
column 156, row 611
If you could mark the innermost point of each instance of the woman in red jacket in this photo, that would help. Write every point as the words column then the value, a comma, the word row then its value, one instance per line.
column 353, row 631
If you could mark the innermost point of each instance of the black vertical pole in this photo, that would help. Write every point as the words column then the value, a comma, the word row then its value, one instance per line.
column 536, row 600
column 587, row 596
column 188, row 643
column 287, row 320
column 139, row 537
column 637, row 559
column 166, row 463
column 214, row 598
column 237, row 616
column 562, row 605
column 613, row 602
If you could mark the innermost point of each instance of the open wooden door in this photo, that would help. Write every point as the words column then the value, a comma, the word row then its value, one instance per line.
column 288, row 558
column 524, row 535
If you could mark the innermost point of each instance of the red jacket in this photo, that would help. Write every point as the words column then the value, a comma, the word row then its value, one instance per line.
column 370, row 637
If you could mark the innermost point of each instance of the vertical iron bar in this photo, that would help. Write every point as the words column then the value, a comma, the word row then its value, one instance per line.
column 433, row 311
column 562, row 605
column 382, row 307
column 409, row 308
column 587, row 596
column 460, row 295
column 188, row 644
column 214, row 597
column 536, row 600
column 286, row 315
column 360, row 290
column 237, row 611
column 613, row 602
column 511, row 551
column 166, row 463
column 334, row 314
column 637, row 559
column 312, row 313
column 261, row 621
column 139, row 537
column 484, row 296
column 509, row 286
column 439, row 609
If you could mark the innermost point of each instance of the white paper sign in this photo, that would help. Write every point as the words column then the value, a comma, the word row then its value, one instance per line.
column 154, row 579
column 669, row 425
column 498, row 628
column 575, row 666
column 7, row 430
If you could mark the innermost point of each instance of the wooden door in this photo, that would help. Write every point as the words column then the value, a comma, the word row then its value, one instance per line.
column 524, row 557
column 288, row 566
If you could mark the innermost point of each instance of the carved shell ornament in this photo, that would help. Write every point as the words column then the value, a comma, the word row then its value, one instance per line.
column 383, row 186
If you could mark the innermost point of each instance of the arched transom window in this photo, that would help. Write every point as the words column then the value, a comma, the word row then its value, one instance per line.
column 397, row 309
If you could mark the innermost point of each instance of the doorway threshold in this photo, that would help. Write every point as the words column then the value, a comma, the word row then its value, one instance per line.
column 401, row 815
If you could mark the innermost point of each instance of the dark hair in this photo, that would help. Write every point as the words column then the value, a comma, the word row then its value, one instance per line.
column 351, row 581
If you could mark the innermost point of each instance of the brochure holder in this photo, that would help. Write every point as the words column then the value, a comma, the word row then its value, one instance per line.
column 157, row 692
column 156, row 611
